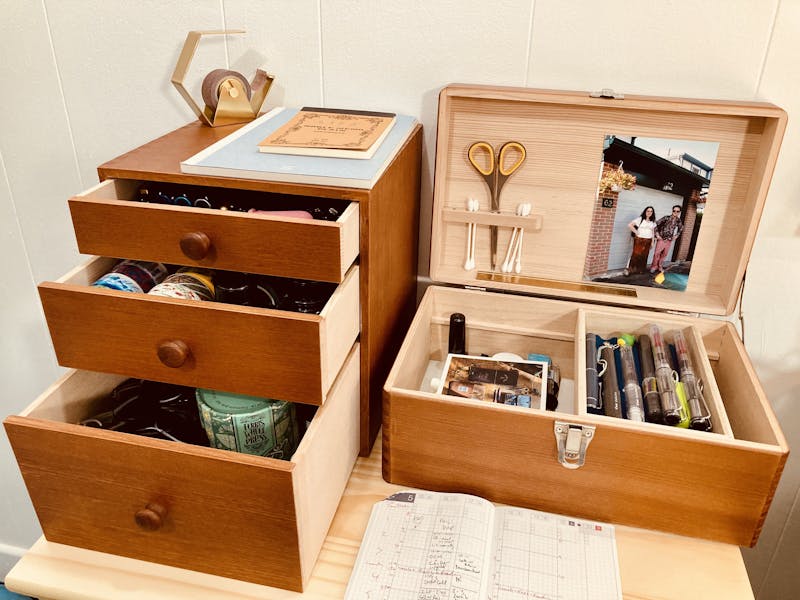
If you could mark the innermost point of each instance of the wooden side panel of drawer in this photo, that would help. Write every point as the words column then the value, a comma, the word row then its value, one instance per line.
column 228, row 514
column 308, row 249
column 682, row 484
column 273, row 354
column 325, row 459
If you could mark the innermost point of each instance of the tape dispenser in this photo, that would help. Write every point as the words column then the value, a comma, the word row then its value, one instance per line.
column 229, row 98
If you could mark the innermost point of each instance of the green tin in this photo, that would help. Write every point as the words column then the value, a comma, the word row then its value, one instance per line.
column 248, row 424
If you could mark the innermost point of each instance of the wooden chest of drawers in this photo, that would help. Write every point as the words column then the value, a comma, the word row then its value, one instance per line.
column 251, row 518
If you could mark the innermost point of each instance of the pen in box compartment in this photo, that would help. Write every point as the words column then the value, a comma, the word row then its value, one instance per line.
column 593, row 403
column 670, row 404
column 652, row 402
column 630, row 382
column 612, row 399
column 699, row 415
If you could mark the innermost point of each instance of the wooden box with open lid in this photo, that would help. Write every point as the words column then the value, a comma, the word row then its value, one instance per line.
column 570, row 280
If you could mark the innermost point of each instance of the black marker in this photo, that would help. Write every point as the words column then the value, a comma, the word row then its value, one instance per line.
column 593, row 403
column 612, row 398
column 457, row 343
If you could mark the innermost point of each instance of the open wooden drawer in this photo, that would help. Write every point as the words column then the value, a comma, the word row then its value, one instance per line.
column 260, row 352
column 246, row 517
column 711, row 485
column 106, row 222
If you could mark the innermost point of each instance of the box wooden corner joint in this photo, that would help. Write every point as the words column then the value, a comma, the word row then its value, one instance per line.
column 574, row 277
column 246, row 517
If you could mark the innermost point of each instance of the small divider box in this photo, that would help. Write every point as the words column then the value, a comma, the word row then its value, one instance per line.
column 593, row 165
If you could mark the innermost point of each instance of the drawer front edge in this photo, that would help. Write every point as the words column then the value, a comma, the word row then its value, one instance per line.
column 87, row 485
column 239, row 350
column 238, row 242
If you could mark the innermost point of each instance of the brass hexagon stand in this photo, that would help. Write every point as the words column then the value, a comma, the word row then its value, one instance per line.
column 237, row 101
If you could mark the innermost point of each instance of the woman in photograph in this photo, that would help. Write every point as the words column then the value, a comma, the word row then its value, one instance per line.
column 642, row 229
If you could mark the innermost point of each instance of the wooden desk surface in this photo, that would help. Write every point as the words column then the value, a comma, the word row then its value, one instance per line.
column 653, row 565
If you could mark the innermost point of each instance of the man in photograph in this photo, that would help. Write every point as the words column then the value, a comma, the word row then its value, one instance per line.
column 668, row 228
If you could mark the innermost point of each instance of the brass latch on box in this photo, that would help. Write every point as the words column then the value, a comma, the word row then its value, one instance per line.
column 572, row 441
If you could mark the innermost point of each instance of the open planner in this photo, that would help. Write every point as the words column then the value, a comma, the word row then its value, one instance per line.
column 439, row 546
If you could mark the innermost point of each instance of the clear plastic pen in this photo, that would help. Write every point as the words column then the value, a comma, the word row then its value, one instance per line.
column 630, row 383
column 652, row 402
column 699, row 415
column 670, row 404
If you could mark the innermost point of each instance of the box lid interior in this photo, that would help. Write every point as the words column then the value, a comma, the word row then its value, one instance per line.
column 576, row 242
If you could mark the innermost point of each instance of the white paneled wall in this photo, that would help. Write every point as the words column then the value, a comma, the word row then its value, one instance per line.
column 82, row 82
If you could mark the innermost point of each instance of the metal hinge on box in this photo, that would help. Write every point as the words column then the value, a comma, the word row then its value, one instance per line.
column 682, row 313
column 572, row 441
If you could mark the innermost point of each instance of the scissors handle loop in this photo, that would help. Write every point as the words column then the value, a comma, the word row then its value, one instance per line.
column 509, row 146
column 487, row 148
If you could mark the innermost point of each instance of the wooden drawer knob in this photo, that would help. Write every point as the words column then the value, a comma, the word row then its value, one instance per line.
column 151, row 517
column 195, row 245
column 174, row 353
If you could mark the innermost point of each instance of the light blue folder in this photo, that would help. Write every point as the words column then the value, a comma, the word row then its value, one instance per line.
column 237, row 155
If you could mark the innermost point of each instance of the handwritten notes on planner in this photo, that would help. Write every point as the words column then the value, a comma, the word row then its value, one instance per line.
column 435, row 546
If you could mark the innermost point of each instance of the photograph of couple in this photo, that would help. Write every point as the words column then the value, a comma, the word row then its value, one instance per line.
column 648, row 234
column 649, row 208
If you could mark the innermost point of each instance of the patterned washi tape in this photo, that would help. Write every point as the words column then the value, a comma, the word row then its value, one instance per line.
column 119, row 282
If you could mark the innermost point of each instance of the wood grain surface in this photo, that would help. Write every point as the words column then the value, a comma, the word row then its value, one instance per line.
column 563, row 133
column 386, row 237
column 389, row 242
column 160, row 160
column 648, row 563
column 152, row 499
column 693, row 483
column 267, row 353
column 263, row 244
column 87, row 485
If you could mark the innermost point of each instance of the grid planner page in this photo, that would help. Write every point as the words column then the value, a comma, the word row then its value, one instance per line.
column 424, row 546
column 543, row 556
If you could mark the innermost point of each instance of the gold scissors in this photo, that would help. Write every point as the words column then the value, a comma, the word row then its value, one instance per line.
column 496, row 174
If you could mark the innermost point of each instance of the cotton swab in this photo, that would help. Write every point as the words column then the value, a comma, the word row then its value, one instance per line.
column 509, row 261
column 469, row 264
column 526, row 210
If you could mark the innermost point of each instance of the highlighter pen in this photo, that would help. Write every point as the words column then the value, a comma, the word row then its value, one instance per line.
column 699, row 415
column 612, row 399
column 630, row 383
column 593, row 404
column 670, row 404
column 652, row 402
column 680, row 389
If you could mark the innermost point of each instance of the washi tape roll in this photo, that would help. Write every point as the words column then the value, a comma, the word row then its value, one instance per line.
column 211, row 83
column 248, row 424
column 205, row 276
column 146, row 274
column 119, row 282
column 174, row 290
column 188, row 281
column 232, row 288
column 263, row 294
column 308, row 296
